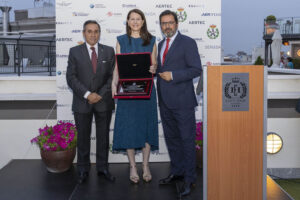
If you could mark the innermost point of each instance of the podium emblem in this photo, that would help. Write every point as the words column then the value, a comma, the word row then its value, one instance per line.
column 235, row 94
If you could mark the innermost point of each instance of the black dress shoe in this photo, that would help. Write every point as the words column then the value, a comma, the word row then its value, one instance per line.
column 107, row 175
column 170, row 179
column 186, row 189
column 82, row 176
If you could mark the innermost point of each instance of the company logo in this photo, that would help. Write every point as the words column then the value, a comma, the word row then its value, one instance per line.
column 211, row 14
column 80, row 14
column 184, row 30
column 64, row 39
column 150, row 13
column 196, row 6
column 61, row 56
column 181, row 14
column 128, row 6
column 198, row 39
column 67, row 121
column 100, row 20
column 64, row 88
column 235, row 88
column 212, row 32
column 63, row 105
column 212, row 47
column 153, row 31
column 97, row 6
column 114, row 30
column 110, row 14
column 63, row 4
column 202, row 56
column 196, row 22
column 63, row 23
column 164, row 6
column 76, row 31
column 58, row 73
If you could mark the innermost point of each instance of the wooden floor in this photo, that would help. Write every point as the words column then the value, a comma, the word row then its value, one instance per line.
column 29, row 180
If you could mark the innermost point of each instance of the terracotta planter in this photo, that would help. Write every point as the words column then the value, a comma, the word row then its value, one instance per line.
column 199, row 157
column 58, row 161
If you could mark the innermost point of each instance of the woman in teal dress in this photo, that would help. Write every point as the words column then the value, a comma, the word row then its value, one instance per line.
column 136, row 124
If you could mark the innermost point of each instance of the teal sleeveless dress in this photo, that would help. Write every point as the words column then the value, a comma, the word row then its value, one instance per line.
column 136, row 119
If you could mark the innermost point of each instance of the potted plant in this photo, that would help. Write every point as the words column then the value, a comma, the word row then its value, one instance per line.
column 57, row 146
column 199, row 144
column 270, row 25
column 271, row 19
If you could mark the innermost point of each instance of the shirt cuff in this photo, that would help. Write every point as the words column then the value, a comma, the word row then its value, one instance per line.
column 87, row 94
column 172, row 76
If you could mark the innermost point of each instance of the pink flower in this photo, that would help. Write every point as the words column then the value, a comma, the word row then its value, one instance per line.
column 56, row 138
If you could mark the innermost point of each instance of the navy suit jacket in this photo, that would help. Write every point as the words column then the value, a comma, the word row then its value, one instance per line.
column 183, row 60
column 80, row 78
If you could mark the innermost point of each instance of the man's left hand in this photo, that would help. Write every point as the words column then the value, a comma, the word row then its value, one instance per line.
column 94, row 98
column 167, row 76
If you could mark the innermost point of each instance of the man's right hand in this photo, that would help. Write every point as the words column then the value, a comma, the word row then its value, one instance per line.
column 94, row 98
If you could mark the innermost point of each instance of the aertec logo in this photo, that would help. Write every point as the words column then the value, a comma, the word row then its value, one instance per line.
column 211, row 14
column 164, row 6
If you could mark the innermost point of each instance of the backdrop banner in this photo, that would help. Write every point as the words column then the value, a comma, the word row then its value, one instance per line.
column 200, row 20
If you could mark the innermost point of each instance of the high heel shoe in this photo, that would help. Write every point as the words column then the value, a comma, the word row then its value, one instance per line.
column 134, row 177
column 147, row 177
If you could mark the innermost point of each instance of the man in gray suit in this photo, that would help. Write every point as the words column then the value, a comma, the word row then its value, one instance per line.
column 89, row 75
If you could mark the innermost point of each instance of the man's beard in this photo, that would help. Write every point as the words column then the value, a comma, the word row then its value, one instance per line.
column 170, row 33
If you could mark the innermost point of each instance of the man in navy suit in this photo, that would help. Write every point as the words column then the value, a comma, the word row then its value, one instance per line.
column 178, row 64
column 89, row 75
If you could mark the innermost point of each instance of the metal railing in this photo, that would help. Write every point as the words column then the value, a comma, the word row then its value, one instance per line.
column 27, row 56
column 286, row 25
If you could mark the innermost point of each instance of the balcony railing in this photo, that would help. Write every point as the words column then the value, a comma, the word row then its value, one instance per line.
column 287, row 25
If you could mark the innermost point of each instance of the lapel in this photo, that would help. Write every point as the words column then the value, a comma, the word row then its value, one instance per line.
column 100, row 57
column 173, row 47
column 159, row 50
column 86, row 55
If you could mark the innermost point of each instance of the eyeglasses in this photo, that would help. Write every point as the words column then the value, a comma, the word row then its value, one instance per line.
column 167, row 23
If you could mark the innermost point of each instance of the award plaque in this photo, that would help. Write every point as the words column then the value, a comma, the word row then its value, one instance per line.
column 135, row 80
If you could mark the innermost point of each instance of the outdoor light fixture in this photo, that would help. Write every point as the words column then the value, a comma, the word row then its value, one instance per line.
column 286, row 43
column 274, row 143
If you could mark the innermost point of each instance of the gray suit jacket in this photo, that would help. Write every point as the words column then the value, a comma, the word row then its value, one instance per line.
column 80, row 78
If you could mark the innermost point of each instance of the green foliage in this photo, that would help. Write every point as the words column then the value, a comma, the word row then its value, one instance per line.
column 271, row 18
column 259, row 61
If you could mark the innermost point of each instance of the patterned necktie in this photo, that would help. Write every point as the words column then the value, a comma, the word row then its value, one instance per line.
column 94, row 59
column 166, row 50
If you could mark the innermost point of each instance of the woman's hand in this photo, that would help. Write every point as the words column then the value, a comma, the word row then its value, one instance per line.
column 152, row 69
column 113, row 89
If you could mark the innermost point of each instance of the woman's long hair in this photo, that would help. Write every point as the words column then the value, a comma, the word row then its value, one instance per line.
column 144, row 33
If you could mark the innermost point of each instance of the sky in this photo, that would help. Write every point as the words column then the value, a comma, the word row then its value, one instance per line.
column 242, row 21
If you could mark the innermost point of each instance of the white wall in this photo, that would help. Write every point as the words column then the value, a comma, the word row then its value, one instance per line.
column 15, row 136
column 289, row 131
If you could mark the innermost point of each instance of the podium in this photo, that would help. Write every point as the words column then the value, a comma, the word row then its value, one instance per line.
column 235, row 114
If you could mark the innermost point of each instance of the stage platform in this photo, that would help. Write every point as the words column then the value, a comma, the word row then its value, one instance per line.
column 29, row 180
